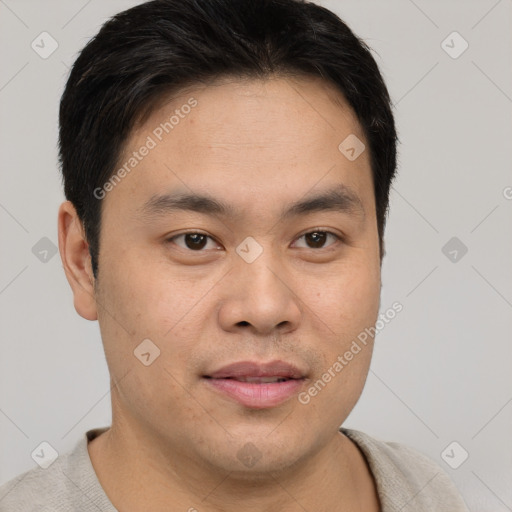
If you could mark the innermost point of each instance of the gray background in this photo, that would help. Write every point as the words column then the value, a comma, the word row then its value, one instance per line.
column 441, row 369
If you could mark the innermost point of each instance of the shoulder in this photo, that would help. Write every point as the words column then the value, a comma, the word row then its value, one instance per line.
column 69, row 483
column 405, row 478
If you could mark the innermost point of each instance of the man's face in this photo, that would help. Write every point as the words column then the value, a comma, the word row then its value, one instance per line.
column 258, row 290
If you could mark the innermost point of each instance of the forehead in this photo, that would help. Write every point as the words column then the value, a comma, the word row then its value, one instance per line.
column 249, row 141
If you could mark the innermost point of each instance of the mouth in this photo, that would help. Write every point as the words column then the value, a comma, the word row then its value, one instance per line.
column 257, row 385
column 259, row 380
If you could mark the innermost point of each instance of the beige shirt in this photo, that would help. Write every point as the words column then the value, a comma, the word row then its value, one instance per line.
column 406, row 481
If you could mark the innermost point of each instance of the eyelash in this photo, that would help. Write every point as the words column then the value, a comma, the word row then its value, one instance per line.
column 316, row 230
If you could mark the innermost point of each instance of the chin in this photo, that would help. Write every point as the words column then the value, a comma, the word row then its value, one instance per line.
column 252, row 457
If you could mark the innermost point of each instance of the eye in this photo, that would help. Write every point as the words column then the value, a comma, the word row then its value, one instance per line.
column 317, row 238
column 194, row 241
column 197, row 241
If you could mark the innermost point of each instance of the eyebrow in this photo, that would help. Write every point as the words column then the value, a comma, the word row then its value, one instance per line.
column 340, row 199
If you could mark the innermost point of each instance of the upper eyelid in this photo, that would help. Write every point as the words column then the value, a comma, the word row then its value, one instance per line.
column 171, row 239
column 319, row 230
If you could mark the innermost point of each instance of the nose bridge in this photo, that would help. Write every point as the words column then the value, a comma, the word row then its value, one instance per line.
column 253, row 265
column 261, row 267
column 260, row 294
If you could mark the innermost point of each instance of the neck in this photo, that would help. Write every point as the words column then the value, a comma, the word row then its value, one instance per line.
column 138, row 473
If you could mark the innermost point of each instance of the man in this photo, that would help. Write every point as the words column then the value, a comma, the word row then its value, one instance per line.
column 227, row 166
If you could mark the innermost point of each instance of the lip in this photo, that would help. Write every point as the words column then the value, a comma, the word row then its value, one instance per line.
column 257, row 395
column 253, row 369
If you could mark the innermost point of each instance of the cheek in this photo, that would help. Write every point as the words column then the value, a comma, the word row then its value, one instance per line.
column 136, row 310
column 143, row 307
column 137, row 298
column 348, row 304
column 348, row 300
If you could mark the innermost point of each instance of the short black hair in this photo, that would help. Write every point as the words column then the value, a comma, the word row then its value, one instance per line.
column 162, row 46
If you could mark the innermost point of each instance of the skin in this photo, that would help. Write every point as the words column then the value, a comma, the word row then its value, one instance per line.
column 173, row 445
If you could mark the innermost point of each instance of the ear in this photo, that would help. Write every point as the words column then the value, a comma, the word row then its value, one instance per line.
column 76, row 261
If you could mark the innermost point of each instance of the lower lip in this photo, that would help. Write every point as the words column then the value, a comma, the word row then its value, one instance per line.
column 257, row 396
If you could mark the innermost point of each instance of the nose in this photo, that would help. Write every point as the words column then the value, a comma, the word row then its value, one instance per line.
column 260, row 297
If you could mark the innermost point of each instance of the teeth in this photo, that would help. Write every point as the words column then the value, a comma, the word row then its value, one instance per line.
column 261, row 379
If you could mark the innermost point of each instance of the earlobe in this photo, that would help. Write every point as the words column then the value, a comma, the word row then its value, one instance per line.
column 76, row 261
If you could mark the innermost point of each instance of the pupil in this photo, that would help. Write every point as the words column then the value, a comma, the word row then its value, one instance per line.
column 198, row 240
column 317, row 238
